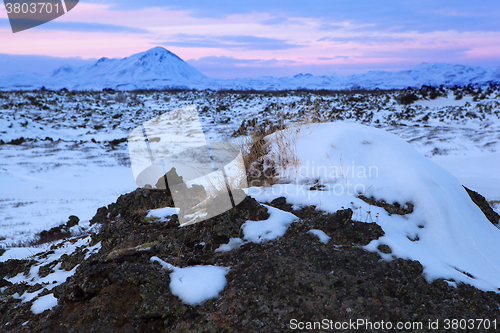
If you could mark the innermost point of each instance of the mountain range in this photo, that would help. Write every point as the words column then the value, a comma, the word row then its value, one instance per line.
column 159, row 68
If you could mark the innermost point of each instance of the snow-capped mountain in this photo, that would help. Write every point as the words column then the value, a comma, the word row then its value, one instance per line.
column 139, row 70
column 159, row 68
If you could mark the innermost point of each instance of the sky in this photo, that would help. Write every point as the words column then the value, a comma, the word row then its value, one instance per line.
column 229, row 39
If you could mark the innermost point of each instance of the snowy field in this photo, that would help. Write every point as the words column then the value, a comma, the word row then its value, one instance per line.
column 73, row 156
column 66, row 154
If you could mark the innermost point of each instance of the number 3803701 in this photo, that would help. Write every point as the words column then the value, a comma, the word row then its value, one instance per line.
column 31, row 8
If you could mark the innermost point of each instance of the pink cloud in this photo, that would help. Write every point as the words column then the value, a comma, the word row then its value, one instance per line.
column 344, row 44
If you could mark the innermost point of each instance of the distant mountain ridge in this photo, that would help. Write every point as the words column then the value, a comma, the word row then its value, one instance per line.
column 159, row 68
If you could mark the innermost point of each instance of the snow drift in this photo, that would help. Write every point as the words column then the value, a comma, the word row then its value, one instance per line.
column 446, row 232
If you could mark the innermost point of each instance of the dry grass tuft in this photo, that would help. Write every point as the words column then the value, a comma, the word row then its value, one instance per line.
column 268, row 153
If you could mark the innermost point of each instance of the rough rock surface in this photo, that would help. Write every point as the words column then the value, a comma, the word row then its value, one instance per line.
column 295, row 276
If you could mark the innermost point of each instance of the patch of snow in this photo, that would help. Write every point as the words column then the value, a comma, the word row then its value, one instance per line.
column 233, row 244
column 76, row 230
column 275, row 226
column 45, row 199
column 163, row 263
column 21, row 252
column 50, row 281
column 46, row 302
column 323, row 238
column 95, row 228
column 27, row 297
column 451, row 283
column 194, row 285
column 92, row 250
column 162, row 213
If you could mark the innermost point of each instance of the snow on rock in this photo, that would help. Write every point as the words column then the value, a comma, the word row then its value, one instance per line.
column 195, row 284
column 275, row 226
column 43, row 257
column 43, row 303
column 21, row 252
column 162, row 213
column 233, row 244
column 446, row 232
column 323, row 238
column 164, row 264
column 475, row 170
column 261, row 231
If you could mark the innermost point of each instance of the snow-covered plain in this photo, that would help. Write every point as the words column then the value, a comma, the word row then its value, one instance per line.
column 70, row 165
column 74, row 159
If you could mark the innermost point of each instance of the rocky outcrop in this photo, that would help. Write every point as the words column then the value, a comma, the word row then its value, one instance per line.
column 133, row 206
column 270, row 284
column 60, row 232
column 485, row 207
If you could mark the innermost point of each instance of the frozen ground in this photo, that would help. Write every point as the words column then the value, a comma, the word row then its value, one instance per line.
column 74, row 156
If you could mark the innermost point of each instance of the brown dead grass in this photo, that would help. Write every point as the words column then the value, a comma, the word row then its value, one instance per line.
column 267, row 152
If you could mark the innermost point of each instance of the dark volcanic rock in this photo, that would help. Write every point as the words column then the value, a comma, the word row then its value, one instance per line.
column 293, row 277
column 56, row 233
column 17, row 142
column 134, row 205
column 394, row 208
column 481, row 202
